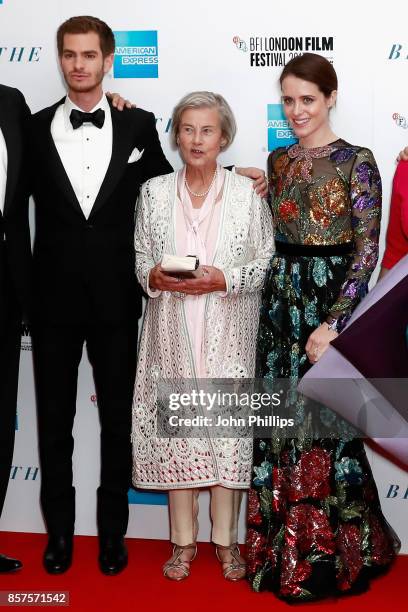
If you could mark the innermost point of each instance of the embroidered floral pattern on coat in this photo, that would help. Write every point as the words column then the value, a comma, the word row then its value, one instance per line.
column 245, row 245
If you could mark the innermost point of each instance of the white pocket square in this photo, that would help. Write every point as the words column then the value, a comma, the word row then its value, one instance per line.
column 135, row 155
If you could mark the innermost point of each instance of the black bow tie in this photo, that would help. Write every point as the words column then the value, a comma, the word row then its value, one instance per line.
column 77, row 118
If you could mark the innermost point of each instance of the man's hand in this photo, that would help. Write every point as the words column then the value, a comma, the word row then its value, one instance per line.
column 119, row 102
column 403, row 155
column 258, row 176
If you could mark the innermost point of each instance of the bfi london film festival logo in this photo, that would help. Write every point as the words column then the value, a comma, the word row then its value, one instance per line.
column 136, row 55
column 267, row 51
column 279, row 132
column 398, row 52
column 400, row 121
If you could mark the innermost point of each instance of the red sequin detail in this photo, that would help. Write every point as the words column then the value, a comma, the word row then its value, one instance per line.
column 311, row 476
column 349, row 544
column 279, row 490
column 254, row 515
column 307, row 532
column 294, row 571
column 288, row 210
column 255, row 546
column 382, row 551
column 309, row 529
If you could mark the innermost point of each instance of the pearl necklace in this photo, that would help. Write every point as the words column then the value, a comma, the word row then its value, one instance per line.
column 204, row 193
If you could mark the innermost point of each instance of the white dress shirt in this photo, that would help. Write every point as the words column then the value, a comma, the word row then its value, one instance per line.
column 3, row 170
column 85, row 152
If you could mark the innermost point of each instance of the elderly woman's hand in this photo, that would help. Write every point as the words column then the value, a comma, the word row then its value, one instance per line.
column 162, row 281
column 212, row 279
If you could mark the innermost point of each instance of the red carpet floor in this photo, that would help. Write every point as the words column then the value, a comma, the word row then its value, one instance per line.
column 141, row 586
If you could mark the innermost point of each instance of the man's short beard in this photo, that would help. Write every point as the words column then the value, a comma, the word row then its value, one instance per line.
column 85, row 88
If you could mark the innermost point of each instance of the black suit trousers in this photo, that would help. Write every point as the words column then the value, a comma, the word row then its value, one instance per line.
column 10, row 340
column 57, row 352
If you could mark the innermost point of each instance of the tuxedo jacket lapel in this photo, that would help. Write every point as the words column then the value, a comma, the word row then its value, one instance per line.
column 121, row 145
column 49, row 152
column 14, row 144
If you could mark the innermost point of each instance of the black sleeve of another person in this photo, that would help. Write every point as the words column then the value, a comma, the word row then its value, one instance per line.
column 153, row 160
column 18, row 230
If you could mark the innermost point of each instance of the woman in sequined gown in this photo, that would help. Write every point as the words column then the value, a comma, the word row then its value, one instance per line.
column 315, row 526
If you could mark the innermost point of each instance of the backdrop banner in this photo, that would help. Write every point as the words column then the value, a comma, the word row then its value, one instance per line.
column 163, row 51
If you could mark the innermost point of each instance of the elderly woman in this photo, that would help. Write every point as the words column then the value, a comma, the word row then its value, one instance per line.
column 201, row 327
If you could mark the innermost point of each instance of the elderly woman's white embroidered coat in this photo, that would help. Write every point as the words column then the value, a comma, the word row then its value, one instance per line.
column 244, row 246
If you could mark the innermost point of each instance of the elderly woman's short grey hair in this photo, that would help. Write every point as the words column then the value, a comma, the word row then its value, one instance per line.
column 205, row 99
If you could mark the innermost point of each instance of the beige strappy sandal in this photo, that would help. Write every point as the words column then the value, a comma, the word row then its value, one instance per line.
column 179, row 569
column 235, row 570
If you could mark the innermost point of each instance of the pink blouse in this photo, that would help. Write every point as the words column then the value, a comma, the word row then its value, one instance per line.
column 196, row 233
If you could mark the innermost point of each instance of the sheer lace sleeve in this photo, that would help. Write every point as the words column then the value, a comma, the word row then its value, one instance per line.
column 365, row 194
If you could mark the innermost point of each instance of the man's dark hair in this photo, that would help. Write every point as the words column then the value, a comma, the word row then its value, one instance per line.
column 84, row 24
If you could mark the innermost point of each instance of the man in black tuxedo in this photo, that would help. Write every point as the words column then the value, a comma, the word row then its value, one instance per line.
column 15, row 256
column 89, row 161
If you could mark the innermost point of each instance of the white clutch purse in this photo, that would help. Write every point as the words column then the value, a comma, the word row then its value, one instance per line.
column 180, row 266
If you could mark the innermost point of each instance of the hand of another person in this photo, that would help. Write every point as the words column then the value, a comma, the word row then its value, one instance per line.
column 382, row 273
column 319, row 341
column 162, row 281
column 119, row 102
column 212, row 279
column 258, row 176
column 403, row 155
